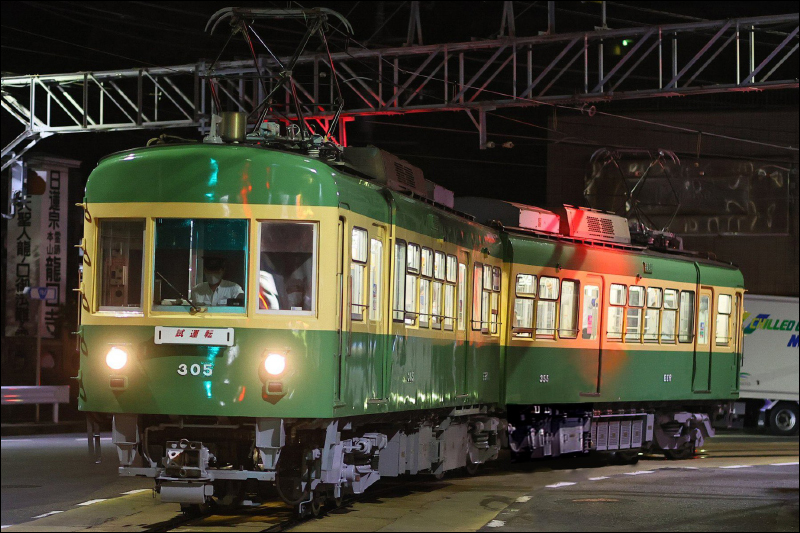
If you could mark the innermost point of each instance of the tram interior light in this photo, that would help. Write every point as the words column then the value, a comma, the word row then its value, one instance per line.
column 275, row 364
column 116, row 358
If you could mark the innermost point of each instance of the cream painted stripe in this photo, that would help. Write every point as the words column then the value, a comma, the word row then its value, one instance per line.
column 785, row 464
column 640, row 472
column 92, row 502
column 737, row 466
column 136, row 491
column 561, row 484
column 46, row 514
column 598, row 478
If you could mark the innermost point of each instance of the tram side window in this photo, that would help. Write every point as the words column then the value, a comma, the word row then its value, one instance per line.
column 398, row 314
column 633, row 317
column 287, row 266
column 523, row 305
column 375, row 279
column 702, row 319
column 567, row 325
column 486, row 298
column 462, row 295
column 724, row 311
column 653, row 314
column 121, row 244
column 206, row 261
column 426, row 273
column 591, row 312
column 450, row 292
column 546, row 308
column 412, row 271
column 437, row 290
column 477, row 286
column 494, row 318
column 357, row 268
column 668, row 316
column 686, row 317
column 616, row 311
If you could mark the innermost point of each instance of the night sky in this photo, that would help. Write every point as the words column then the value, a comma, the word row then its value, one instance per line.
column 50, row 37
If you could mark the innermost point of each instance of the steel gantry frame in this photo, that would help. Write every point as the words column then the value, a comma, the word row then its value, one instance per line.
column 510, row 71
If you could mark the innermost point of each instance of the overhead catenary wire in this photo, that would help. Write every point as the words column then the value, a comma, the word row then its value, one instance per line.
column 573, row 109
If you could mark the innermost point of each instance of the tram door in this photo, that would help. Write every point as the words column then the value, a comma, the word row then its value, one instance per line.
column 364, row 335
column 463, row 306
column 591, row 330
column 701, row 380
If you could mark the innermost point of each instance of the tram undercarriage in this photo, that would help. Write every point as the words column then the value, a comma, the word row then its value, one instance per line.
column 196, row 460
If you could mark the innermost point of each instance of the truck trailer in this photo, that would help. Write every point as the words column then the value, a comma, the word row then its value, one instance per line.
column 769, row 373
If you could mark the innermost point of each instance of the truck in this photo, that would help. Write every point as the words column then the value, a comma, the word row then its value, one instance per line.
column 768, row 383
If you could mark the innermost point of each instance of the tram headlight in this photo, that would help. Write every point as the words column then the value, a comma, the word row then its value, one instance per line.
column 116, row 358
column 275, row 364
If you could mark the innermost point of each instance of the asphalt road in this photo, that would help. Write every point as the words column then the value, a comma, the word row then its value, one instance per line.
column 739, row 482
column 41, row 474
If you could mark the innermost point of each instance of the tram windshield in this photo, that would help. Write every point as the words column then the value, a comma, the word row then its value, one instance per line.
column 201, row 263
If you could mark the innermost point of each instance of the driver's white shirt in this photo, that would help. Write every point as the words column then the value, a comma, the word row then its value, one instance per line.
column 203, row 295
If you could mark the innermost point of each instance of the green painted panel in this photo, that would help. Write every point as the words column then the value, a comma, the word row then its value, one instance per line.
column 634, row 375
column 235, row 387
column 208, row 173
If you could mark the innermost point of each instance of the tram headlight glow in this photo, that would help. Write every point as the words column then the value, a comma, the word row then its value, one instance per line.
column 116, row 358
column 275, row 364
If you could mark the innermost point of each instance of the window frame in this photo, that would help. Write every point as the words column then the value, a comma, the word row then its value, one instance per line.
column 719, row 313
column 357, row 309
column 621, row 306
column 99, row 271
column 399, row 282
column 669, row 311
column 541, row 301
column 314, row 270
column 573, row 333
column 692, row 316
column 655, row 337
column 527, row 298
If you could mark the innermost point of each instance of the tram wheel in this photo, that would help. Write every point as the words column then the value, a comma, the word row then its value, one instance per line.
column 192, row 510
column 472, row 468
column 626, row 458
column 684, row 452
column 315, row 506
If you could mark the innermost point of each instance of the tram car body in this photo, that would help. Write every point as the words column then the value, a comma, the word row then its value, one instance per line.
column 257, row 319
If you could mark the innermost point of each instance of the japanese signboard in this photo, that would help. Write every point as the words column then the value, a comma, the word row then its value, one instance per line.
column 37, row 250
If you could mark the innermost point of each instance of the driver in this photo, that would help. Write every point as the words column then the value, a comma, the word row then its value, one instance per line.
column 215, row 290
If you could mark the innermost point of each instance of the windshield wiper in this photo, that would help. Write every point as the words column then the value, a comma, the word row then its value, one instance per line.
column 171, row 286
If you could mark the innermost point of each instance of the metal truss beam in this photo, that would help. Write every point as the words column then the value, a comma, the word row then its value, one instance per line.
column 503, row 72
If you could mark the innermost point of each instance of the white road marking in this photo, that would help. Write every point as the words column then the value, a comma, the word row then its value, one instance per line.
column 690, row 467
column 90, row 502
column 598, row 478
column 136, row 491
column 496, row 523
column 101, row 438
column 47, row 514
column 6, row 441
column 3, row 527
column 639, row 472
column 738, row 466
column 785, row 464
column 523, row 499
column 562, row 484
